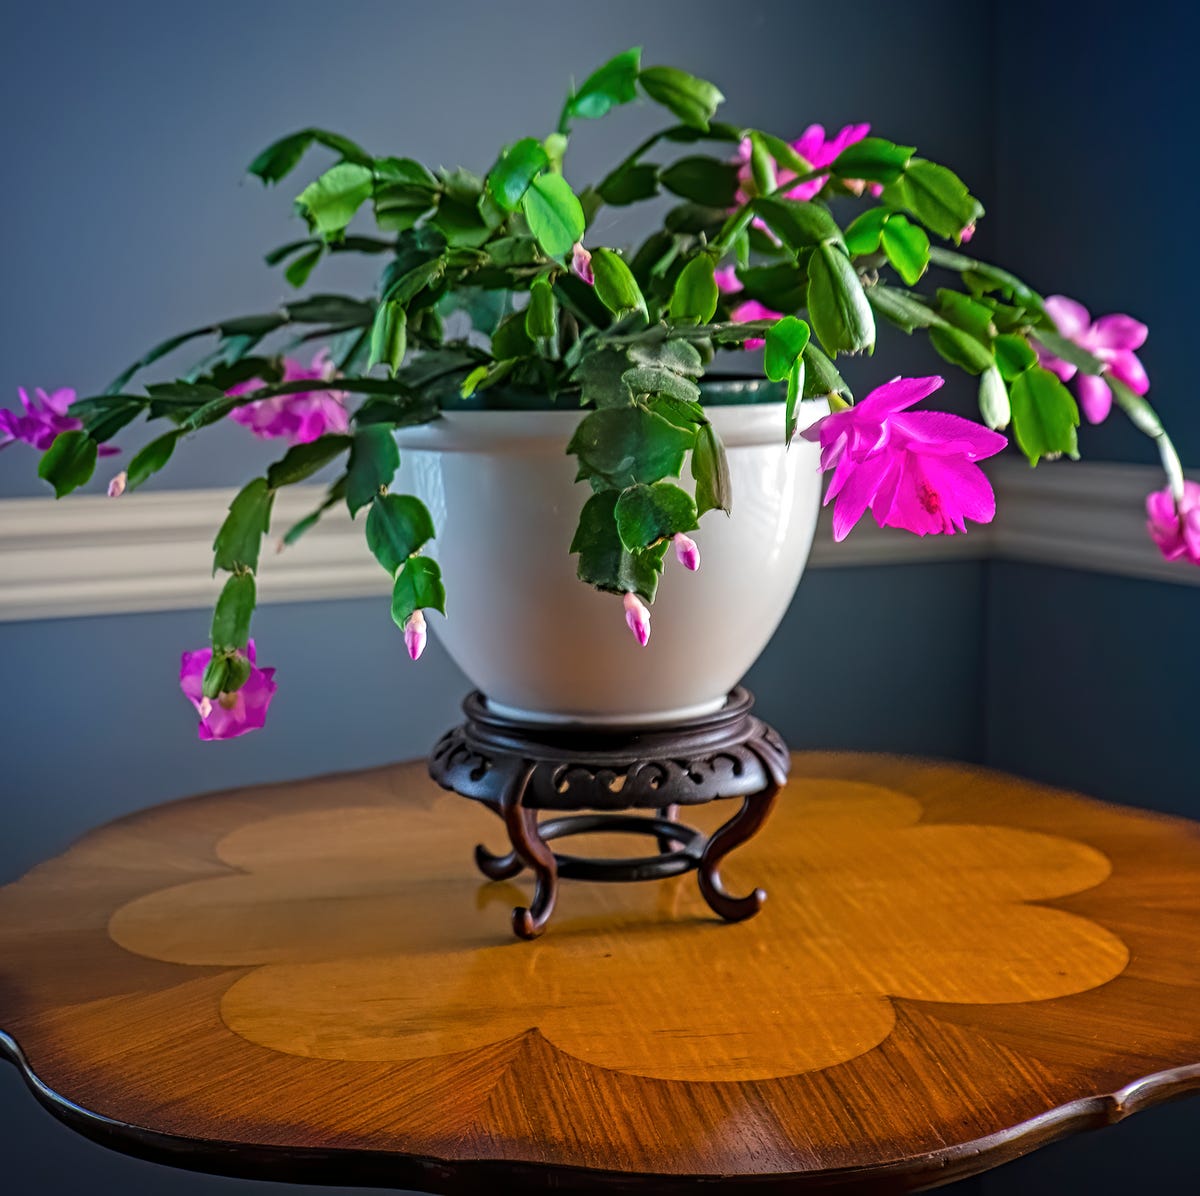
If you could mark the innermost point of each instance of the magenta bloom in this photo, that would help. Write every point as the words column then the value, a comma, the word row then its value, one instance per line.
column 1112, row 339
column 1176, row 531
column 233, row 714
column 45, row 416
column 581, row 264
column 727, row 280
column 817, row 150
column 638, row 618
column 728, row 283
column 915, row 470
column 299, row 417
column 751, row 309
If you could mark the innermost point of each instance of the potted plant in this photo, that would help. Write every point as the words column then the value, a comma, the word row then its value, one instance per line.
column 549, row 406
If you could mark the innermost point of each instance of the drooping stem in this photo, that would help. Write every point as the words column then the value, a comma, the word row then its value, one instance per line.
column 1145, row 419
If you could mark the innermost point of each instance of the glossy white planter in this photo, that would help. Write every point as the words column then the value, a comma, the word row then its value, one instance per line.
column 540, row 643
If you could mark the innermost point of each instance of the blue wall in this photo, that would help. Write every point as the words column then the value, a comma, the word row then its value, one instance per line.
column 1094, row 102
column 1091, row 683
column 132, row 122
column 137, row 220
column 1090, row 678
column 349, row 697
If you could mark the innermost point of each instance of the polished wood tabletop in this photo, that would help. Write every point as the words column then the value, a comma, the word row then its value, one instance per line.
column 310, row 981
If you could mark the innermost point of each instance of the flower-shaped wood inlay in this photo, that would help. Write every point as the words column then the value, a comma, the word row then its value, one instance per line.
column 363, row 949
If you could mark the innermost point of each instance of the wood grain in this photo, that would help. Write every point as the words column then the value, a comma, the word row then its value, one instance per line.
column 310, row 981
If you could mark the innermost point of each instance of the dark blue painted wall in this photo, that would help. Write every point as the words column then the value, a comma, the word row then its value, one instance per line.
column 1091, row 683
column 349, row 697
column 1093, row 103
column 1090, row 678
column 133, row 122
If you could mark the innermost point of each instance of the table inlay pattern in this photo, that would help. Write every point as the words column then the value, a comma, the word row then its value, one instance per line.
column 311, row 981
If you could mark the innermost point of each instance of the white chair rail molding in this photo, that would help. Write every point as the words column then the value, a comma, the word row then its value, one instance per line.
column 153, row 551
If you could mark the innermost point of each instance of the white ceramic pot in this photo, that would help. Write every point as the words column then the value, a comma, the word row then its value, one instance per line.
column 541, row 644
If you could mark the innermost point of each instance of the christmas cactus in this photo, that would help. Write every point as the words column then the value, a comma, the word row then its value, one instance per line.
column 492, row 293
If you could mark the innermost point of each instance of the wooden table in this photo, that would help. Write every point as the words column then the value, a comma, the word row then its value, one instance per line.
column 311, row 982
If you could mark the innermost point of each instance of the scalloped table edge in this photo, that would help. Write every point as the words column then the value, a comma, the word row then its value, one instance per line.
column 351, row 1167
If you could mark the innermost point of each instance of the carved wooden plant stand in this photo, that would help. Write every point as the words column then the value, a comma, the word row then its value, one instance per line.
column 519, row 768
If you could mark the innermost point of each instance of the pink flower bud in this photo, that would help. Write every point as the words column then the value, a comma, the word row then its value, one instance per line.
column 638, row 618
column 117, row 486
column 581, row 263
column 967, row 233
column 688, row 551
column 414, row 634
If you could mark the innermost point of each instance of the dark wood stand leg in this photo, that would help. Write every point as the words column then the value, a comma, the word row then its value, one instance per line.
column 665, row 842
column 531, row 850
column 742, row 826
column 519, row 768
column 497, row 867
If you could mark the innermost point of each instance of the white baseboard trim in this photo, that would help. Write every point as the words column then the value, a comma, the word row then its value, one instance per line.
column 150, row 552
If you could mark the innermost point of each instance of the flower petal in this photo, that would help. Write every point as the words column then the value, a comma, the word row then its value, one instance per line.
column 844, row 137
column 896, row 395
column 861, row 483
column 727, row 280
column 191, row 674
column 1126, row 366
column 1063, row 369
column 1118, row 332
column 1095, row 399
column 1070, row 318
column 809, row 144
column 934, row 495
column 943, row 434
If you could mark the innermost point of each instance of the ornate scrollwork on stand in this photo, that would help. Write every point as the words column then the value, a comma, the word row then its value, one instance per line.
column 518, row 768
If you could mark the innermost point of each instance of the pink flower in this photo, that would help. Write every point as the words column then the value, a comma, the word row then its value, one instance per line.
column 415, row 634
column 581, row 263
column 817, row 150
column 915, row 470
column 750, row 310
column 967, row 233
column 727, row 280
column 117, row 486
column 233, row 714
column 1111, row 339
column 1176, row 530
column 813, row 146
column 45, row 416
column 299, row 417
column 638, row 618
column 728, row 283
column 687, row 551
